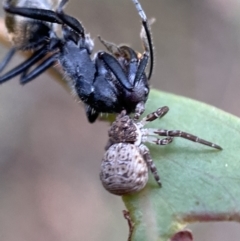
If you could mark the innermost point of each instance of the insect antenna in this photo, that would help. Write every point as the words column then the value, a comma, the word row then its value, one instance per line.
column 148, row 35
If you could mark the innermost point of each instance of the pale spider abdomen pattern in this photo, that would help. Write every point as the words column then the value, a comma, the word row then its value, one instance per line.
column 123, row 169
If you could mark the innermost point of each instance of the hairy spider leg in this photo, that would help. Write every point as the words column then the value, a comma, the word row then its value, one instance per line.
column 185, row 135
column 150, row 163
column 159, row 113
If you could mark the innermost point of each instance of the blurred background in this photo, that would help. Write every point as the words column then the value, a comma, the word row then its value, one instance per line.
column 50, row 155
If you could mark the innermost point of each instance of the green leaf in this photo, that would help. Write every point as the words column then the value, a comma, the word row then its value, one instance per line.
column 199, row 183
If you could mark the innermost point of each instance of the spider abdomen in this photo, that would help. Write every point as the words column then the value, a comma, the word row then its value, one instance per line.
column 123, row 169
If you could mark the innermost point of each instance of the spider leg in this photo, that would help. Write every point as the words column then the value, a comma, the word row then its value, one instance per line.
column 157, row 141
column 140, row 108
column 159, row 113
column 148, row 39
column 47, row 63
column 34, row 13
column 151, row 165
column 7, row 58
column 185, row 135
column 24, row 66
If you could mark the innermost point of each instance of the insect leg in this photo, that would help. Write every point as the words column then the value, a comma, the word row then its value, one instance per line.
column 116, row 69
column 129, row 54
column 24, row 66
column 34, row 13
column 25, row 78
column 7, row 58
column 69, row 20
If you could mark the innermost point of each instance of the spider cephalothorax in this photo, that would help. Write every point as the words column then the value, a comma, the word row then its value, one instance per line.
column 126, row 162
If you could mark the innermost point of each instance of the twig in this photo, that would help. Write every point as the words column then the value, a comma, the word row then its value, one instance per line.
column 126, row 215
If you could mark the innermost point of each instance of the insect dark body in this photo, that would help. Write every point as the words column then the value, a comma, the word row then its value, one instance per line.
column 25, row 34
column 125, row 165
column 108, row 83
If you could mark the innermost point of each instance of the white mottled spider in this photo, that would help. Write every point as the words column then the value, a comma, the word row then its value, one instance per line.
column 126, row 162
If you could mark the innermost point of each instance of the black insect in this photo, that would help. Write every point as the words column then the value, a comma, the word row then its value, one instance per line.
column 25, row 34
column 108, row 83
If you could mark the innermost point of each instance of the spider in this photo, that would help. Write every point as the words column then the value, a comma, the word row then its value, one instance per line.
column 125, row 165
column 108, row 83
